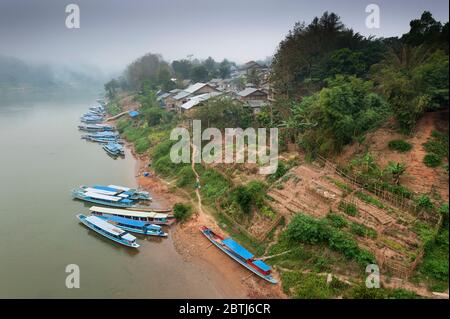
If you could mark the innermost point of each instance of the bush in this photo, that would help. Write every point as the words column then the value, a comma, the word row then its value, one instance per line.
column 186, row 176
column 182, row 212
column 438, row 144
column 306, row 229
column 349, row 209
column 142, row 145
column 432, row 160
column 400, row 146
column 337, row 220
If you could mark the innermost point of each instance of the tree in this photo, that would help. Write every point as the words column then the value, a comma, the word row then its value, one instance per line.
column 396, row 170
column 413, row 80
column 297, row 67
column 111, row 88
column 182, row 68
column 254, row 77
column 225, row 69
column 199, row 73
column 338, row 114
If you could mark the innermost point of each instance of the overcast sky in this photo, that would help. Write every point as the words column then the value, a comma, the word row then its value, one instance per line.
column 114, row 32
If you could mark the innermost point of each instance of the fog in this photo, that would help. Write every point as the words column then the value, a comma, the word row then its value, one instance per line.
column 112, row 33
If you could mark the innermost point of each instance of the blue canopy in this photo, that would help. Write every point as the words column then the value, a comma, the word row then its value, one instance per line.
column 130, row 222
column 237, row 249
column 105, row 188
column 133, row 113
column 261, row 265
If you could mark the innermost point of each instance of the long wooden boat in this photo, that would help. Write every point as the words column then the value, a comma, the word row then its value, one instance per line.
column 108, row 230
column 148, row 217
column 96, row 127
column 239, row 254
column 120, row 191
column 135, row 226
column 101, row 199
column 114, row 149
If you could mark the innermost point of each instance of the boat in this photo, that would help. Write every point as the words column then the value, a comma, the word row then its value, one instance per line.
column 107, row 134
column 114, row 149
column 108, row 230
column 91, row 119
column 103, row 140
column 149, row 217
column 121, row 191
column 97, row 198
column 239, row 254
column 135, row 226
column 96, row 127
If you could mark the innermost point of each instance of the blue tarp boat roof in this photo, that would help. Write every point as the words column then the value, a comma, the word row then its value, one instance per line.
column 261, row 265
column 133, row 113
column 105, row 188
column 130, row 222
column 238, row 249
column 125, row 200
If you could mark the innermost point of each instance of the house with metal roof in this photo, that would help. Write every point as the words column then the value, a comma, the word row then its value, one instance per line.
column 195, row 89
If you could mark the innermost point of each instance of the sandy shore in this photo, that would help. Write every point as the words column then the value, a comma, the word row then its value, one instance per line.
column 229, row 278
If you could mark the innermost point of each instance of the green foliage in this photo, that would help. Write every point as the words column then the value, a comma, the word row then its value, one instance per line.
column 363, row 231
column 311, row 286
column 182, row 212
column 424, row 203
column 400, row 146
column 362, row 292
column 413, row 80
column 250, row 195
column 339, row 114
column 282, row 169
column 142, row 145
column 113, row 108
column 214, row 185
column 337, row 220
column 186, row 176
column 348, row 208
column 222, row 113
column 305, row 229
column 437, row 145
column 432, row 160
column 369, row 199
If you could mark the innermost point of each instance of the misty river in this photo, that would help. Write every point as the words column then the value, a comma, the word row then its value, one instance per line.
column 42, row 159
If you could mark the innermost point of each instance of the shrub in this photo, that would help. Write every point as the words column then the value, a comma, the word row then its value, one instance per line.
column 349, row 209
column 186, row 176
column 438, row 144
column 432, row 160
column 400, row 146
column 142, row 145
column 424, row 203
column 336, row 220
column 182, row 212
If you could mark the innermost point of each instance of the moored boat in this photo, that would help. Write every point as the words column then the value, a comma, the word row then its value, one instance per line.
column 108, row 230
column 149, row 217
column 97, row 198
column 114, row 149
column 239, row 254
column 121, row 191
column 135, row 226
column 96, row 127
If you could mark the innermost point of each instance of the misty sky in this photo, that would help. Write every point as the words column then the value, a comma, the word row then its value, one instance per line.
column 114, row 32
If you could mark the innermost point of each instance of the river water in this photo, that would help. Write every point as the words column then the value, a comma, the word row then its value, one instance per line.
column 41, row 159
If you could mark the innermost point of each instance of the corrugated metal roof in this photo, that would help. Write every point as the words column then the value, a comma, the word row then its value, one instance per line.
column 198, row 99
column 247, row 91
column 181, row 95
column 195, row 87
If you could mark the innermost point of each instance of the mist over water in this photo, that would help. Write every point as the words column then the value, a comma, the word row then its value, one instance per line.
column 42, row 159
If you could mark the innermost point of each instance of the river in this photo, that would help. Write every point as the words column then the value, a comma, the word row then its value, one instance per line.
column 42, row 158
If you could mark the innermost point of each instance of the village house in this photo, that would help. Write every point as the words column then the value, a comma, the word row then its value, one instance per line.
column 254, row 98
column 196, row 89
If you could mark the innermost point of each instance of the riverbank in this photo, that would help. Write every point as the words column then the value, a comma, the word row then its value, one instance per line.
column 228, row 277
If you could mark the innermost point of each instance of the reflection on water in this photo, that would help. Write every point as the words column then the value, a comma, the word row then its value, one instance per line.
column 42, row 158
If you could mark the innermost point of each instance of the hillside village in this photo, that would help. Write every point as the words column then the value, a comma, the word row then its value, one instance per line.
column 360, row 180
column 251, row 95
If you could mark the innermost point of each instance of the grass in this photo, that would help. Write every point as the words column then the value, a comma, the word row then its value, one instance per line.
column 113, row 108
column 437, row 149
column 400, row 146
column 369, row 199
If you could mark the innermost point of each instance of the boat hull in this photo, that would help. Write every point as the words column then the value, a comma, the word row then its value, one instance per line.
column 265, row 277
column 81, row 218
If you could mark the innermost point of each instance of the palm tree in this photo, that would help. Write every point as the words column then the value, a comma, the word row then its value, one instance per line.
column 396, row 170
